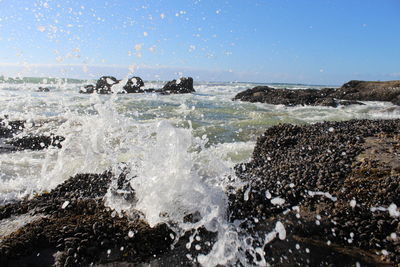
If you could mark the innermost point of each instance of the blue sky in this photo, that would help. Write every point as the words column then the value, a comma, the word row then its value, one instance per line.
column 299, row 41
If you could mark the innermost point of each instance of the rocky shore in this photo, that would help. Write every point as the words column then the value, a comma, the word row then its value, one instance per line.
column 71, row 226
column 334, row 185
column 350, row 93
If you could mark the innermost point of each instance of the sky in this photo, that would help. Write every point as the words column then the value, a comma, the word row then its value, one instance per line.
column 296, row 41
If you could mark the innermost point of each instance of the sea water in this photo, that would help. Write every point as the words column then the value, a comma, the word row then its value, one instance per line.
column 180, row 151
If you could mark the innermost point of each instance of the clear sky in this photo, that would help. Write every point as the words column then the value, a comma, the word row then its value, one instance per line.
column 298, row 41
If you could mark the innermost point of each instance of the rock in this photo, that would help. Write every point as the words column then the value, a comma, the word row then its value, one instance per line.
column 9, row 128
column 370, row 91
column 86, row 230
column 36, row 142
column 87, row 89
column 43, row 89
column 349, row 94
column 104, row 84
column 133, row 85
column 265, row 94
column 181, row 86
column 330, row 177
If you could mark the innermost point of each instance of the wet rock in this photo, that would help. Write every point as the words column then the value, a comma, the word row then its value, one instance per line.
column 87, row 89
column 370, row 91
column 104, row 84
column 180, row 86
column 133, row 85
column 43, row 89
column 36, row 142
column 349, row 94
column 323, row 182
column 9, row 128
column 265, row 94
column 84, row 231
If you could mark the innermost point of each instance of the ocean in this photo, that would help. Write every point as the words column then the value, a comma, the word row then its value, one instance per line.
column 181, row 149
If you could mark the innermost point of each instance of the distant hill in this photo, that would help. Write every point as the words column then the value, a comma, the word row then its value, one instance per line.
column 39, row 80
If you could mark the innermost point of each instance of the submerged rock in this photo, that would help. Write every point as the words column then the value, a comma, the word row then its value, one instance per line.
column 334, row 185
column 180, row 86
column 349, row 94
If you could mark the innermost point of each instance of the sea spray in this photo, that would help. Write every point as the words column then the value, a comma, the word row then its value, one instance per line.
column 170, row 185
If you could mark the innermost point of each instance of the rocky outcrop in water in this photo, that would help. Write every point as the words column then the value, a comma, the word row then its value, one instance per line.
column 180, row 86
column 133, row 85
column 370, row 91
column 313, row 97
column 10, row 143
column 349, row 94
column 104, row 84
column 87, row 89
column 334, row 185
column 43, row 89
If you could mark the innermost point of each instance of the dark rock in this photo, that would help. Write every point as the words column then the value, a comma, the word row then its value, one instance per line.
column 36, row 142
column 181, row 86
column 133, row 85
column 87, row 89
column 82, row 232
column 265, row 94
column 104, row 84
column 370, row 91
column 316, row 171
column 43, row 89
column 349, row 94
column 9, row 128
column 349, row 102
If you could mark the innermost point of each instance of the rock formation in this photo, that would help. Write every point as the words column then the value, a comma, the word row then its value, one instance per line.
column 133, row 85
column 370, row 91
column 349, row 93
column 104, row 84
column 334, row 185
column 180, row 86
